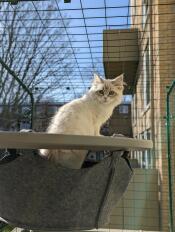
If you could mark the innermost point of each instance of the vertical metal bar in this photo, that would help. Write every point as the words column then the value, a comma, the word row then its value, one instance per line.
column 24, row 87
column 152, row 81
column 168, row 136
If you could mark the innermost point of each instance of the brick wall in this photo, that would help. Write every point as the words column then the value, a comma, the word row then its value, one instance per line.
column 159, row 29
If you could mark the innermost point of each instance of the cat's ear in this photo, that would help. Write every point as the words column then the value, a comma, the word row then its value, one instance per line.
column 118, row 81
column 97, row 79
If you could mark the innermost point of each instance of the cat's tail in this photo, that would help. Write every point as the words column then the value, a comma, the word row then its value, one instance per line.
column 49, row 154
column 44, row 153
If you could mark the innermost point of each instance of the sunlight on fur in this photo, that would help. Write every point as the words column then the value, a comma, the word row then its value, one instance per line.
column 85, row 116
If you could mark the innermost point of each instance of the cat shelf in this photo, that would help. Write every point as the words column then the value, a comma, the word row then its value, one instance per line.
column 44, row 140
column 37, row 194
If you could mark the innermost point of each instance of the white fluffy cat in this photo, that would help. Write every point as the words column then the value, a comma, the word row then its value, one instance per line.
column 84, row 116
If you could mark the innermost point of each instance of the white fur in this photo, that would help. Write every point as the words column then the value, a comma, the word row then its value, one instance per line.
column 83, row 116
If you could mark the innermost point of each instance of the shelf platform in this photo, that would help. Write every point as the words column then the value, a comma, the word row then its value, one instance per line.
column 32, row 140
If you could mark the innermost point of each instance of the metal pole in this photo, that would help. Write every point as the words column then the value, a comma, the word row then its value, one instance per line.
column 170, row 89
column 9, row 70
column 152, row 81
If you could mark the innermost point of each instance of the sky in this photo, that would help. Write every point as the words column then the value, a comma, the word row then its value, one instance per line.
column 84, row 36
column 88, row 32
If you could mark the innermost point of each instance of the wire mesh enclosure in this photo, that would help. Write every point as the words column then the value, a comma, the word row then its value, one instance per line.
column 49, row 51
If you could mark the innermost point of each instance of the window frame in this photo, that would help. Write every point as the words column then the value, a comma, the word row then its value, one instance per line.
column 145, row 6
column 146, row 76
column 147, row 161
column 122, row 109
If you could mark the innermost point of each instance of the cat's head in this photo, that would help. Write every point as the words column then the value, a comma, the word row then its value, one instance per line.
column 108, row 91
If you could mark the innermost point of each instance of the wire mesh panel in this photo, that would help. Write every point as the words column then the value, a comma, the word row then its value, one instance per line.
column 54, row 48
column 173, row 151
column 170, row 103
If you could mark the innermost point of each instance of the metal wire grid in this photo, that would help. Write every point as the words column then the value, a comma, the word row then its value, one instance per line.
column 81, row 25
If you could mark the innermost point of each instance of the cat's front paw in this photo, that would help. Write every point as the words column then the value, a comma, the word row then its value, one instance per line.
column 118, row 135
column 26, row 130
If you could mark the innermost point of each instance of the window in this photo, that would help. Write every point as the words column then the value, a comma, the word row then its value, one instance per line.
column 143, row 159
column 146, row 76
column 146, row 155
column 134, row 109
column 123, row 109
column 144, row 11
column 127, row 99
column 52, row 109
column 135, row 153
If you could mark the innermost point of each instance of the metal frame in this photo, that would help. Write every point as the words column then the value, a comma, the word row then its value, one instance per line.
column 169, row 155
column 26, row 89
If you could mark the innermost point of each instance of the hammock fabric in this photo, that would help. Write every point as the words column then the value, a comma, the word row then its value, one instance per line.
column 37, row 194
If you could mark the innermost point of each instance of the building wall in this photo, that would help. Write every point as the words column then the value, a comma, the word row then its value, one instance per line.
column 159, row 29
column 119, row 122
column 43, row 114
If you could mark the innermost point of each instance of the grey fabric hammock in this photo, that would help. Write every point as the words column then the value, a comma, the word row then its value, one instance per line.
column 37, row 194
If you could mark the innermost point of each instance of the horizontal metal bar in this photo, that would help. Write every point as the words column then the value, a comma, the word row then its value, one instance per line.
column 54, row 141
column 88, row 8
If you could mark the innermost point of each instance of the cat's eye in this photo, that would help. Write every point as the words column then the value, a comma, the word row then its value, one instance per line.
column 111, row 93
column 100, row 92
column 119, row 87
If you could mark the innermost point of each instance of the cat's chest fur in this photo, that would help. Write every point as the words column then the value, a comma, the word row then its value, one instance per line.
column 81, row 116
column 100, row 114
column 84, row 116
